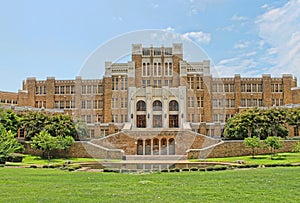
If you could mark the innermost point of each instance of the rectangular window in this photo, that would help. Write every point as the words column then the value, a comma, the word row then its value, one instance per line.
column 259, row 88
column 216, row 118
column 260, row 102
column 36, row 90
column 214, row 88
column 68, row 104
column 62, row 105
column 100, row 104
column 88, row 119
column 254, row 88
column 83, row 89
column 62, row 89
column 73, row 89
column 220, row 87
column 190, row 82
column 243, row 87
column 231, row 87
column 243, row 103
column 215, row 103
column 67, row 89
column 199, row 83
column 248, row 87
column 232, row 103
column 89, row 104
column 56, row 104
column 56, row 90
column 83, row 104
column 226, row 89
column 100, row 89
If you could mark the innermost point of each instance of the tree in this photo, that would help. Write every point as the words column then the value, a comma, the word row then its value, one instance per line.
column 273, row 143
column 9, row 120
column 60, row 125
column 45, row 142
column 33, row 122
column 8, row 144
column 65, row 142
column 252, row 142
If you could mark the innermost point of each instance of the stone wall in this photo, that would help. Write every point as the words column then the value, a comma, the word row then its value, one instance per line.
column 80, row 149
column 235, row 148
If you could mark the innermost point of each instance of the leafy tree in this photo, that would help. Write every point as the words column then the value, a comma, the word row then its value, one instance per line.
column 34, row 123
column 60, row 125
column 296, row 147
column 257, row 122
column 8, row 144
column 45, row 142
column 65, row 142
column 81, row 129
column 9, row 120
column 273, row 143
column 252, row 142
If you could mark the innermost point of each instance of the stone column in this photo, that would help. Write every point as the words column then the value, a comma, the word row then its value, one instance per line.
column 144, row 147
column 159, row 147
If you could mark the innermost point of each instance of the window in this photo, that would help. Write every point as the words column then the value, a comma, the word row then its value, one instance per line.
column 259, row 88
column 89, row 104
column 168, row 51
column 83, row 89
column 146, row 51
column 191, row 102
column 73, row 89
column 94, row 89
column 68, row 104
column 157, row 105
column 214, row 88
column 62, row 105
column 216, row 117
column 260, row 102
column 67, row 89
column 199, row 83
column 56, row 90
column 100, row 89
column 200, row 101
column 173, row 105
column 254, row 88
column 220, row 87
column 243, row 103
column 141, row 106
column 88, row 119
column 231, row 87
column 100, row 104
column 243, row 88
column 157, row 52
column 124, row 83
column 190, row 82
column 248, row 87
column 226, row 89
column 56, row 104
column 83, row 106
column 62, row 89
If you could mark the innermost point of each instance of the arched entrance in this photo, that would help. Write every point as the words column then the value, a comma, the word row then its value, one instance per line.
column 157, row 117
column 140, row 147
column 141, row 114
column 171, row 146
column 173, row 111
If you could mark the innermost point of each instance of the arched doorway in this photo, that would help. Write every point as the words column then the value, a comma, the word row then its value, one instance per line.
column 171, row 146
column 173, row 117
column 148, row 147
column 140, row 147
column 141, row 114
column 155, row 146
column 163, row 148
column 157, row 118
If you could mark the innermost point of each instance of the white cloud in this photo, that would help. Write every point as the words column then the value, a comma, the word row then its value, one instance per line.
column 201, row 37
column 238, row 18
column 242, row 45
column 280, row 28
column 169, row 29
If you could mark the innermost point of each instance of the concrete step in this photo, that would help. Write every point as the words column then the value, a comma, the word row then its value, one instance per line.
column 155, row 157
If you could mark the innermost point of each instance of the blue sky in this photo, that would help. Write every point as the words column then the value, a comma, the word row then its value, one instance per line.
column 54, row 38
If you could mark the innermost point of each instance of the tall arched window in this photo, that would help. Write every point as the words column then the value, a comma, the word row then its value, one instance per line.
column 173, row 105
column 141, row 106
column 157, row 105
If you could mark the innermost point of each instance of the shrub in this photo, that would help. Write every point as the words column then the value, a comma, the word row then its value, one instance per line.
column 33, row 166
column 16, row 158
column 164, row 170
column 185, row 169
column 194, row 169
column 296, row 147
column 202, row 169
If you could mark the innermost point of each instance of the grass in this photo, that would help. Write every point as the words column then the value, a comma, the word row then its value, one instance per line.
column 50, row 185
column 281, row 158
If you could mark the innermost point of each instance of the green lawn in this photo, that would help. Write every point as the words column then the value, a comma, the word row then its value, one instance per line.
column 53, row 185
column 281, row 158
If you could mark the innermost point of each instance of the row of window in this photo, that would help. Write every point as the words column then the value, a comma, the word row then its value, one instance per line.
column 119, row 83
column 219, row 87
column 276, row 88
column 63, row 104
column 220, row 117
column 92, row 118
column 120, row 118
column 157, row 83
column 91, row 104
column 157, row 69
column 117, row 103
column 156, row 51
column 40, row 104
column 195, row 82
column 91, row 89
column 251, row 88
column 68, row 89
column 252, row 102
column 223, row 103
column 277, row 102
column 196, row 118
column 8, row 101
column 191, row 102
column 40, row 90
column 157, row 105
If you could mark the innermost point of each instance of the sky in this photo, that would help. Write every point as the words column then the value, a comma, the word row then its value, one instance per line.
column 55, row 38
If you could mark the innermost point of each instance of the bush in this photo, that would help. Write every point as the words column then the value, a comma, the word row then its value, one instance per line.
column 194, row 169
column 164, row 170
column 45, row 166
column 185, row 169
column 202, row 169
column 16, row 158
column 33, row 166
column 220, row 168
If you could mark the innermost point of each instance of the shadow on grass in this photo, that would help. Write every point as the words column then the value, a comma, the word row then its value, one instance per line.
column 259, row 157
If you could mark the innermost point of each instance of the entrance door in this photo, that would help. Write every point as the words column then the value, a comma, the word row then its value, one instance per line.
column 173, row 121
column 141, row 121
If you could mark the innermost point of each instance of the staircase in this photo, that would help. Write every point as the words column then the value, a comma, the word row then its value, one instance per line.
column 154, row 157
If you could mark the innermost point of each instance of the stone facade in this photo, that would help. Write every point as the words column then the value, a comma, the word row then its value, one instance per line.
column 157, row 91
